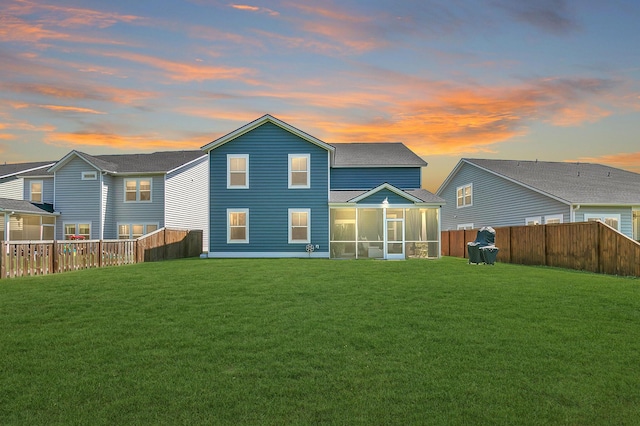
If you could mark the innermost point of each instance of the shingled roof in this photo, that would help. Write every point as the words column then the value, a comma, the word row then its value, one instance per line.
column 380, row 154
column 576, row 183
column 156, row 162
column 23, row 206
column 36, row 167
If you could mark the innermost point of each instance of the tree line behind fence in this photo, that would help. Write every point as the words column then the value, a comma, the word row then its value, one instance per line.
column 586, row 246
column 22, row 258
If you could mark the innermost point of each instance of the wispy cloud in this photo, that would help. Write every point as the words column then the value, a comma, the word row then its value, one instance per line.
column 250, row 8
column 118, row 141
column 81, row 92
column 549, row 15
column 184, row 72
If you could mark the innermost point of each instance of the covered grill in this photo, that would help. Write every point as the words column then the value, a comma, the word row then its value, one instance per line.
column 483, row 249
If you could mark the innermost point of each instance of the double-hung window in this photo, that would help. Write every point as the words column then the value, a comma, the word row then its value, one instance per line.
column 79, row 230
column 137, row 190
column 237, row 225
column 299, row 226
column 237, row 171
column 464, row 196
column 35, row 191
column 299, row 170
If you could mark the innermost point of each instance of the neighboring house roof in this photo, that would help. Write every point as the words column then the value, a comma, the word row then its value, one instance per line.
column 156, row 162
column 259, row 122
column 33, row 168
column 574, row 183
column 380, row 154
column 23, row 206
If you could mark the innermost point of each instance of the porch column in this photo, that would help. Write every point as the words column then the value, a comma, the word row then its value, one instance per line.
column 7, row 231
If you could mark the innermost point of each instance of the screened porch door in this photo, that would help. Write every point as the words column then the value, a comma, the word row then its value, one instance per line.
column 394, row 245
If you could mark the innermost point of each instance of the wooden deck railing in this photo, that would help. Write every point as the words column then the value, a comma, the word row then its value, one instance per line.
column 587, row 246
column 22, row 258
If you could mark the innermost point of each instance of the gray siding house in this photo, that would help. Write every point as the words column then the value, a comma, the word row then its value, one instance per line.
column 276, row 191
column 126, row 196
column 481, row 192
column 26, row 201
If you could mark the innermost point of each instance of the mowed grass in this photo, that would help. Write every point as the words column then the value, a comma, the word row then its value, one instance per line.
column 309, row 341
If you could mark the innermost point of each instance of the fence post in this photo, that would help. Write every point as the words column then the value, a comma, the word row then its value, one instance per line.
column 3, row 260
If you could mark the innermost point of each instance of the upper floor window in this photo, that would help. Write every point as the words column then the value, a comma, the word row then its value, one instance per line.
column 35, row 191
column 137, row 190
column 299, row 170
column 238, row 171
column 299, row 229
column 237, row 225
column 464, row 196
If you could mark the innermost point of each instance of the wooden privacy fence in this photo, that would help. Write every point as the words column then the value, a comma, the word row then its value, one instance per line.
column 586, row 246
column 22, row 258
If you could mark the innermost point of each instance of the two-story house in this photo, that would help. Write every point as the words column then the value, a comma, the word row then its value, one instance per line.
column 485, row 192
column 276, row 191
column 129, row 195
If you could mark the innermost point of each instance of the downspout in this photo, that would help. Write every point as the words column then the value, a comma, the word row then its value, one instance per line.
column 102, row 212
column 573, row 212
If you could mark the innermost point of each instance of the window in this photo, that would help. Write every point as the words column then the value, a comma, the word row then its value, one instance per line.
column 73, row 231
column 534, row 220
column 465, row 226
column 550, row 219
column 613, row 220
column 137, row 190
column 238, row 171
column 89, row 175
column 35, row 191
column 299, row 170
column 127, row 231
column 299, row 229
column 464, row 196
column 237, row 225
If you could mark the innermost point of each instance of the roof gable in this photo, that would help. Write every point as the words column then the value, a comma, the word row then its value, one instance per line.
column 259, row 122
column 156, row 162
column 388, row 187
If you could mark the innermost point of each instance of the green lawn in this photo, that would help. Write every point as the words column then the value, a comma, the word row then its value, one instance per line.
column 309, row 341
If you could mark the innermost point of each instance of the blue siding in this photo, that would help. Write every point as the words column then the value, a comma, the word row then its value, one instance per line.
column 268, row 197
column 367, row 178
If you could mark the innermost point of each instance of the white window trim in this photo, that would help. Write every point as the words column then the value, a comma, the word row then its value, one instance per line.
column 229, row 158
column 89, row 175
column 77, row 226
column 603, row 216
column 41, row 191
column 533, row 219
column 470, row 185
column 137, row 180
column 131, row 224
column 465, row 226
column 552, row 217
column 291, row 157
column 306, row 240
column 246, row 240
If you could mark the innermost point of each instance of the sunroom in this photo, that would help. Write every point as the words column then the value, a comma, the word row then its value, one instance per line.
column 21, row 220
column 384, row 223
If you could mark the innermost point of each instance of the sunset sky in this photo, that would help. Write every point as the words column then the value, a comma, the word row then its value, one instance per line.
column 554, row 80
